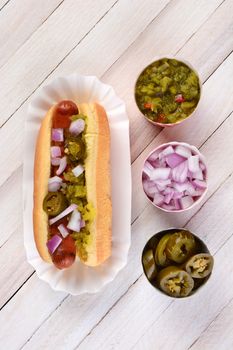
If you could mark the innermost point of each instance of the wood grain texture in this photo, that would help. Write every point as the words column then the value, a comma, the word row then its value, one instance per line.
column 115, row 40
column 19, row 20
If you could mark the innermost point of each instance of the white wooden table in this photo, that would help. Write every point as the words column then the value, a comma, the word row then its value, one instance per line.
column 115, row 39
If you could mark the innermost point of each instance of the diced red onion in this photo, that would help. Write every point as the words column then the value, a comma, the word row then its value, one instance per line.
column 179, row 173
column 82, row 223
column 176, row 203
column 53, row 243
column 177, row 195
column 183, row 151
column 78, row 170
column 160, row 174
column 202, row 166
column 55, row 161
column 189, row 175
column 54, row 183
column 168, row 150
column 75, row 221
column 168, row 206
column 158, row 199
column 186, row 202
column 62, row 166
column 150, row 188
column 148, row 165
column 168, row 190
column 162, row 184
column 174, row 178
column 168, row 197
column 194, row 193
column 154, row 156
column 174, row 160
column 200, row 184
column 55, row 151
column 193, row 164
column 58, row 135
column 198, row 175
column 77, row 126
column 63, row 231
column 64, row 213
column 147, row 171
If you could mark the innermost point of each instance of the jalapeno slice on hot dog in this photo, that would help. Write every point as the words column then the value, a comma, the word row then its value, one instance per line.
column 200, row 265
column 175, row 282
column 54, row 203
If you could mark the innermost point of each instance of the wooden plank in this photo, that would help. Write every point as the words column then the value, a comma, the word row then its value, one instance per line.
column 19, row 20
column 22, row 311
column 11, row 137
column 45, row 49
column 3, row 3
column 219, row 333
column 10, row 204
column 13, row 256
column 150, row 221
column 134, row 323
column 210, row 114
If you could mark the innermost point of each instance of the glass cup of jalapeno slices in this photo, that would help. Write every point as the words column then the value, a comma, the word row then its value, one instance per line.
column 167, row 91
column 177, row 262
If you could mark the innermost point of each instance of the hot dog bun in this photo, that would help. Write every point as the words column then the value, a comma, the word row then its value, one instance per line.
column 97, row 173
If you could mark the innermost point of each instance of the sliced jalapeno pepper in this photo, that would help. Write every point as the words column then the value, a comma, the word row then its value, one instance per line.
column 200, row 265
column 54, row 203
column 149, row 264
column 175, row 282
column 180, row 246
column 75, row 148
column 160, row 254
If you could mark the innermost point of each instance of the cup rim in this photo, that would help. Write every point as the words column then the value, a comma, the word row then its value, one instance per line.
column 178, row 58
column 202, row 158
column 157, row 288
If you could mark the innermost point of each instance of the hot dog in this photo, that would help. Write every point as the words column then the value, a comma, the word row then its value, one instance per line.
column 72, row 211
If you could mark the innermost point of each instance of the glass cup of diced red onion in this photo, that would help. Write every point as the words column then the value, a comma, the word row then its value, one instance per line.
column 174, row 177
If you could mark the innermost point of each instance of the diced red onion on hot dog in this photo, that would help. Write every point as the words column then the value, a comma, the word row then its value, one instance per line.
column 64, row 213
column 55, row 151
column 77, row 126
column 58, row 135
column 78, row 170
column 82, row 223
column 62, row 166
column 53, row 243
column 55, row 161
column 75, row 221
column 54, row 183
column 63, row 230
